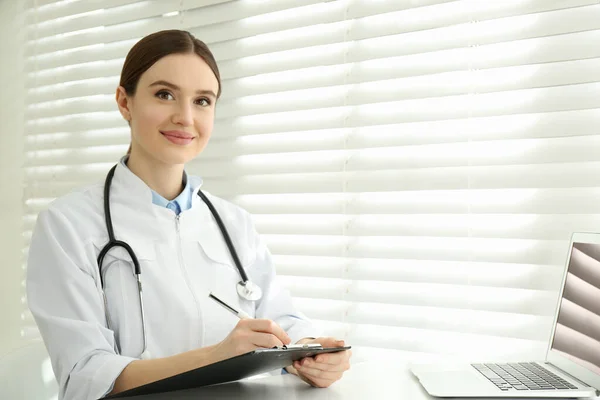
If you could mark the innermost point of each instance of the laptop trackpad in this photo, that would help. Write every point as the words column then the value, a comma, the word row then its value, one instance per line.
column 455, row 383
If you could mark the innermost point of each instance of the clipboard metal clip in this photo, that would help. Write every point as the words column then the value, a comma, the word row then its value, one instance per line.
column 305, row 346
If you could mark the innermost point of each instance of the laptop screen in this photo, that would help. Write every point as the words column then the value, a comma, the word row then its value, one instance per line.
column 577, row 334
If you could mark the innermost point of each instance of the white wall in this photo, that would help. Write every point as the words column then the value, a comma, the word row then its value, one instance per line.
column 11, row 174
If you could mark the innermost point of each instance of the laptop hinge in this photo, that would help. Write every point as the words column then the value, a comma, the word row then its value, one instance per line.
column 562, row 371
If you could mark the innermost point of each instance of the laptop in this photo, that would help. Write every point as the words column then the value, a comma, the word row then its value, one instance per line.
column 572, row 364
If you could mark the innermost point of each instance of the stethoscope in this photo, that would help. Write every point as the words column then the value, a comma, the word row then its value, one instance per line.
column 245, row 288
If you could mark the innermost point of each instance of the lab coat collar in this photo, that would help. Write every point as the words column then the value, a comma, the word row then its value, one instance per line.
column 139, row 192
column 132, row 207
column 133, row 213
column 191, row 184
column 128, row 187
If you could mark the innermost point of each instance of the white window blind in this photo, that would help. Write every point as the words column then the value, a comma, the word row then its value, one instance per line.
column 416, row 166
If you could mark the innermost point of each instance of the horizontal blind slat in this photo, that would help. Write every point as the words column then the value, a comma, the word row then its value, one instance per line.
column 459, row 273
column 526, row 201
column 455, row 178
column 509, row 226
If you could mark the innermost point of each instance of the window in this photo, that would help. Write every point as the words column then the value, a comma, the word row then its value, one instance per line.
column 416, row 166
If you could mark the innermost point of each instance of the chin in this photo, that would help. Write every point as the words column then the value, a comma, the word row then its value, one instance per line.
column 180, row 156
column 171, row 154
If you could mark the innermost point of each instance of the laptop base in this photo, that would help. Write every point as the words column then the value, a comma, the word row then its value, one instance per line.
column 463, row 380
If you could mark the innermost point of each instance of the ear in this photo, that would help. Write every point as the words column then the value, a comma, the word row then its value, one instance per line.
column 123, row 102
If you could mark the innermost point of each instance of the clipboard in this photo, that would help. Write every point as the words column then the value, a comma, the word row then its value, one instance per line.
column 232, row 369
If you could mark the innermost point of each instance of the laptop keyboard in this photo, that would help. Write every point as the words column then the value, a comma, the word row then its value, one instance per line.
column 522, row 376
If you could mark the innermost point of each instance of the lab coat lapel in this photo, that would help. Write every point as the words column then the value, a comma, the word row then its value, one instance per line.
column 199, row 225
column 133, row 213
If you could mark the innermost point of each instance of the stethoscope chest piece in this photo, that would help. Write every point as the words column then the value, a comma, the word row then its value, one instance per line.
column 249, row 290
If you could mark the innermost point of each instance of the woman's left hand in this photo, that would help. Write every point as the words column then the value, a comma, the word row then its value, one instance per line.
column 323, row 369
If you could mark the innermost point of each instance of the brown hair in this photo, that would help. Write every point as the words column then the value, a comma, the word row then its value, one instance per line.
column 157, row 45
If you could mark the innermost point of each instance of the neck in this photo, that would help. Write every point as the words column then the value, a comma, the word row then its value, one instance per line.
column 164, row 179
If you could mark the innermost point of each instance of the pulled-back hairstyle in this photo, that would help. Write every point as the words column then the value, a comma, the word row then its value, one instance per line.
column 157, row 45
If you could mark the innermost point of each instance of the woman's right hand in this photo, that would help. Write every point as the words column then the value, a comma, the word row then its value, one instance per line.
column 248, row 335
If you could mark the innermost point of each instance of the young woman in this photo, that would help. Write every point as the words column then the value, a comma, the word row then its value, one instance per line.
column 147, row 221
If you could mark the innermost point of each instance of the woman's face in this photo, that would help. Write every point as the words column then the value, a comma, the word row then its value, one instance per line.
column 173, row 109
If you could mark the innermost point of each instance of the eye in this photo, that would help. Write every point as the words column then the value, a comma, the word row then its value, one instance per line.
column 204, row 102
column 163, row 95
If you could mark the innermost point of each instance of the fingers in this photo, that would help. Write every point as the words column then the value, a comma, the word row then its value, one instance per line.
column 342, row 365
column 323, row 367
column 248, row 335
column 266, row 326
column 319, row 375
column 329, row 342
column 334, row 358
column 265, row 340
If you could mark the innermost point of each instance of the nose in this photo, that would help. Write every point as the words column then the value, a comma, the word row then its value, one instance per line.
column 183, row 115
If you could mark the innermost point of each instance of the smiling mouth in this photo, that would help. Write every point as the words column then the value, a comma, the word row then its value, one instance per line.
column 178, row 137
column 177, row 134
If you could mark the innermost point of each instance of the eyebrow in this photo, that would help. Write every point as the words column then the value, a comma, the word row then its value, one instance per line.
column 175, row 87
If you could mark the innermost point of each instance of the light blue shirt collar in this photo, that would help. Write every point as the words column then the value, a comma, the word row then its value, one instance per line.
column 180, row 203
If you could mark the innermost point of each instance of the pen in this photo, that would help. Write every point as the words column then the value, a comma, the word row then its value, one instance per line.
column 240, row 314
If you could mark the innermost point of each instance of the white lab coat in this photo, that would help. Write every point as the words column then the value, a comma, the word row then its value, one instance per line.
column 182, row 259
